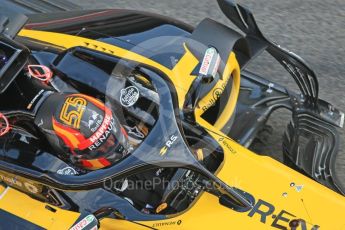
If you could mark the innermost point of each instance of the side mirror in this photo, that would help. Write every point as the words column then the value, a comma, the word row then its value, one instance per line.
column 210, row 64
column 207, row 73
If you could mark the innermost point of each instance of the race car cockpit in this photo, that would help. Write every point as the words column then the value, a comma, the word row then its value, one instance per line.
column 82, row 120
column 66, row 132
column 122, row 114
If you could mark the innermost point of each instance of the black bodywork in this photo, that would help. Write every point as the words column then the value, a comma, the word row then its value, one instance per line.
column 310, row 143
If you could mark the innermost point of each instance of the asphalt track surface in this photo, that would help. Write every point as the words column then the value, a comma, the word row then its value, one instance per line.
column 314, row 29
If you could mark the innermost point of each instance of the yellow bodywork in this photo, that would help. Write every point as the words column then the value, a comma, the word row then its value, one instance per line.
column 280, row 192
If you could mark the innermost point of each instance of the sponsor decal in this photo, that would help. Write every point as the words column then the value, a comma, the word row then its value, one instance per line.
column 206, row 62
column 129, row 96
column 31, row 188
column 163, row 150
column 34, row 99
column 134, row 131
column 68, row 171
column 84, row 223
column 227, row 145
column 14, row 182
column 72, row 111
column 168, row 144
column 267, row 213
column 159, row 171
column 101, row 135
column 216, row 93
column 94, row 121
column 24, row 139
column 167, row 223
column 270, row 86
column 104, row 131
column 41, row 123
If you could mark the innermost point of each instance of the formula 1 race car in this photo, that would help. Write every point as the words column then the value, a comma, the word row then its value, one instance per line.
column 119, row 119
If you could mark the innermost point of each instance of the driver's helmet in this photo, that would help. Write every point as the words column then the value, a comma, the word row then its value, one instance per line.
column 84, row 130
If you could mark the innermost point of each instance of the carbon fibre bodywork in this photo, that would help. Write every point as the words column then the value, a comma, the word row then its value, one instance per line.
column 258, row 97
column 310, row 143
